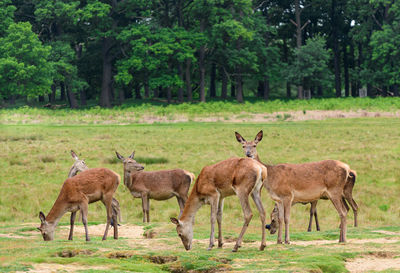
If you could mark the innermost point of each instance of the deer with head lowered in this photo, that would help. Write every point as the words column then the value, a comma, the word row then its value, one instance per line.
column 80, row 166
column 234, row 176
column 76, row 194
column 305, row 183
column 157, row 185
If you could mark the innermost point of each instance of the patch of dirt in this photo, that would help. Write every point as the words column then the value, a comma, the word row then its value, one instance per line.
column 276, row 116
column 9, row 235
column 73, row 267
column 374, row 261
column 126, row 231
column 68, row 253
column 120, row 255
column 162, row 259
column 149, row 234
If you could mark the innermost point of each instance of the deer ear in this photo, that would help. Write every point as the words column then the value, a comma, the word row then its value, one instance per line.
column 239, row 138
column 259, row 137
column 174, row 221
column 120, row 157
column 132, row 155
column 42, row 217
column 74, row 156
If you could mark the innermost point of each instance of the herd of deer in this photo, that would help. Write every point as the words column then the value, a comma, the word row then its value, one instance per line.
column 287, row 185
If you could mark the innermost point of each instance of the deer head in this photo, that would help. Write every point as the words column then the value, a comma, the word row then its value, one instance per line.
column 250, row 147
column 79, row 165
column 185, row 232
column 130, row 165
column 274, row 221
column 46, row 228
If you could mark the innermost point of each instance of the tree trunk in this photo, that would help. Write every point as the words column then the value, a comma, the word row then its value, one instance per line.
column 369, row 90
column 202, row 65
column 73, row 104
column 319, row 91
column 188, row 80
column 298, row 42
column 260, row 89
column 239, row 86
column 52, row 96
column 12, row 100
column 146, row 89
column 224, row 84
column 156, row 92
column 352, row 65
column 180, row 89
column 83, row 97
column 107, row 73
column 128, row 91
column 121, row 96
column 169, row 95
column 41, row 98
column 336, row 53
column 266, row 88
column 396, row 90
column 138, row 96
column 212, row 80
column 62, row 91
column 346, row 72
column 233, row 91
column 288, row 90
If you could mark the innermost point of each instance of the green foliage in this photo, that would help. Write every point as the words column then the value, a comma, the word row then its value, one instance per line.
column 24, row 62
column 310, row 67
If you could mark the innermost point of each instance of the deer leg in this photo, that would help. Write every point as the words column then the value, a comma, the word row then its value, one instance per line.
column 72, row 222
column 115, row 219
column 287, row 204
column 341, row 209
column 107, row 201
column 219, row 221
column 313, row 212
column 213, row 216
column 84, row 212
column 148, row 209
column 181, row 204
column 248, row 214
column 257, row 200
column 316, row 217
column 144, row 205
column 349, row 198
column 281, row 212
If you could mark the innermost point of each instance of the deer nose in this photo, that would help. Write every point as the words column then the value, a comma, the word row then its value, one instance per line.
column 268, row 227
column 248, row 154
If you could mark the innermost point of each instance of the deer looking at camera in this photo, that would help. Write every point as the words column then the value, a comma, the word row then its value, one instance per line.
column 80, row 166
column 76, row 194
column 305, row 183
column 157, row 185
column 234, row 176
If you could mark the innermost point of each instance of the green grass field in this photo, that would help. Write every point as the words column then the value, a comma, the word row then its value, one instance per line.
column 35, row 161
column 143, row 111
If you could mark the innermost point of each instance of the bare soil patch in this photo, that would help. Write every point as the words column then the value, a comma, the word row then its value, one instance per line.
column 374, row 261
column 162, row 259
column 270, row 117
column 387, row 232
column 120, row 255
column 126, row 231
column 68, row 253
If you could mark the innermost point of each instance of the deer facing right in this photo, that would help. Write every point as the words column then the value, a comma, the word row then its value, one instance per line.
column 305, row 183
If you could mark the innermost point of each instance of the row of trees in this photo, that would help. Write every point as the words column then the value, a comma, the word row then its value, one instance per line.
column 185, row 50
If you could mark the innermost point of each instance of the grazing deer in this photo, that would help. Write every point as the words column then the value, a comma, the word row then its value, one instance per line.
column 240, row 176
column 76, row 194
column 305, row 183
column 157, row 185
column 80, row 166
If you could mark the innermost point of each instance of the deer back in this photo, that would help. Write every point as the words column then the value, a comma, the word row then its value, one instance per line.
column 92, row 183
column 160, row 181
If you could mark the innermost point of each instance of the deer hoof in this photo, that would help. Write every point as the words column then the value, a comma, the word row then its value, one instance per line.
column 279, row 242
column 220, row 245
column 262, row 247
column 287, row 242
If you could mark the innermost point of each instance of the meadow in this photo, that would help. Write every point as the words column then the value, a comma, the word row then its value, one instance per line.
column 35, row 161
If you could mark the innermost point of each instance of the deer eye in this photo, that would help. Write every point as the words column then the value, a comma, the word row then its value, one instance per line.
column 254, row 146
column 180, row 235
column 243, row 146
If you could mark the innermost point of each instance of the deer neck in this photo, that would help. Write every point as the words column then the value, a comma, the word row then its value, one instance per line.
column 56, row 212
column 192, row 205
column 127, row 178
column 72, row 172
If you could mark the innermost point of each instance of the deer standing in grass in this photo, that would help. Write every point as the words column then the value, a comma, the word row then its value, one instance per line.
column 234, row 176
column 157, row 185
column 76, row 194
column 80, row 166
column 305, row 183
